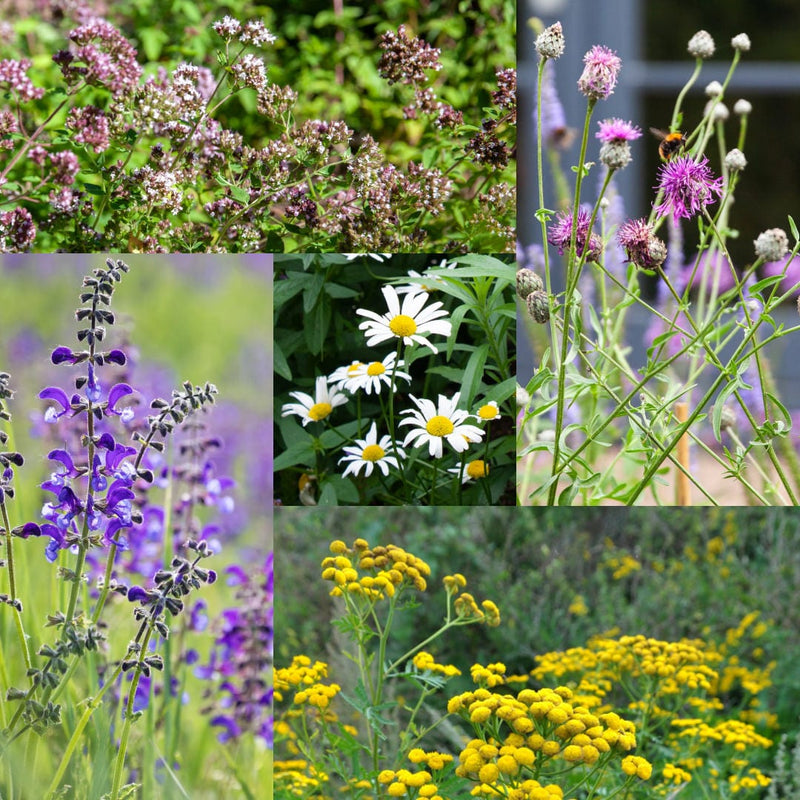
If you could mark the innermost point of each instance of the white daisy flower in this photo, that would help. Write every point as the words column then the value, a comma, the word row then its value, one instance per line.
column 488, row 412
column 472, row 471
column 370, row 453
column 432, row 282
column 370, row 377
column 437, row 423
column 408, row 323
column 376, row 256
column 343, row 374
column 314, row 409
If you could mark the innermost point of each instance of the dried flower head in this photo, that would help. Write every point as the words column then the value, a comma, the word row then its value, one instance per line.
column 550, row 42
column 701, row 45
column 600, row 73
column 772, row 244
column 687, row 186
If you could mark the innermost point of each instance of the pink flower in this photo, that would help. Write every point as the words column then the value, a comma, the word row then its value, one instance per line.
column 600, row 72
column 688, row 186
column 616, row 130
column 560, row 235
column 91, row 127
column 14, row 74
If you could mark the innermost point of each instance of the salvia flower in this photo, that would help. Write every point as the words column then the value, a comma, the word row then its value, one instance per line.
column 435, row 423
column 369, row 453
column 641, row 244
column 688, row 187
column 318, row 407
column 600, row 73
column 560, row 235
column 411, row 322
column 772, row 244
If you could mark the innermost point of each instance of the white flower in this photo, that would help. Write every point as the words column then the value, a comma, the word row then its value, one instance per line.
column 376, row 256
column 408, row 323
column 488, row 412
column 432, row 282
column 370, row 453
column 368, row 377
column 471, row 471
column 437, row 423
column 314, row 409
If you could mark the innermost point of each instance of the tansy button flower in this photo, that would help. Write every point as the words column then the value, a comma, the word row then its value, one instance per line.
column 368, row 377
column 370, row 453
column 314, row 409
column 433, row 424
column 411, row 322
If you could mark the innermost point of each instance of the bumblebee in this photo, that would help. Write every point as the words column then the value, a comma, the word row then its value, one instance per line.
column 671, row 143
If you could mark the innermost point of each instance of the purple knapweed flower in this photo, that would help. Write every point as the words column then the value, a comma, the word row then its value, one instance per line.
column 560, row 235
column 688, row 187
column 617, row 130
column 599, row 73
column 641, row 245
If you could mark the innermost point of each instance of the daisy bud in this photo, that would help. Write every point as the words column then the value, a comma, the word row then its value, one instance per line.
column 528, row 281
column 550, row 42
column 539, row 306
column 742, row 107
column 741, row 42
column 772, row 244
column 735, row 160
column 701, row 45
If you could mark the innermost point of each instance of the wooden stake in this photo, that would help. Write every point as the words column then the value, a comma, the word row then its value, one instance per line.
column 683, row 490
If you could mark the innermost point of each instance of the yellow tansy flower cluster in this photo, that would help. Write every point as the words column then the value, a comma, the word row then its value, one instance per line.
column 373, row 573
column 425, row 661
column 543, row 724
column 454, row 583
column 676, row 775
column 623, row 566
column 489, row 676
column 301, row 672
column 404, row 783
column 638, row 766
column 467, row 608
column 752, row 779
column 433, row 760
column 740, row 735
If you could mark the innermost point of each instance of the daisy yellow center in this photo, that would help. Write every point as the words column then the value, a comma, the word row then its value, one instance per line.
column 487, row 412
column 373, row 452
column 439, row 426
column 376, row 368
column 354, row 368
column 403, row 325
column 319, row 411
column 477, row 469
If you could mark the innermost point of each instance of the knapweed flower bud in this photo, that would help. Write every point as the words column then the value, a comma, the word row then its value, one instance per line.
column 742, row 107
column 550, row 42
column 714, row 89
column 735, row 160
column 727, row 419
column 719, row 111
column 741, row 42
column 600, row 73
column 615, row 155
column 772, row 244
column 701, row 45
column 539, row 306
column 528, row 281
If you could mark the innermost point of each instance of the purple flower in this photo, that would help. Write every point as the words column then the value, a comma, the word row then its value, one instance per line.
column 91, row 127
column 60, row 396
column 17, row 230
column 688, row 186
column 599, row 73
column 14, row 75
column 560, row 235
column 616, row 130
column 642, row 246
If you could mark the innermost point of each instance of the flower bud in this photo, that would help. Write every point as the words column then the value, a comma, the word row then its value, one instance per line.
column 741, row 42
column 735, row 160
column 742, row 107
column 714, row 89
column 539, row 306
column 550, row 42
column 772, row 244
column 528, row 281
column 701, row 45
column 615, row 155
